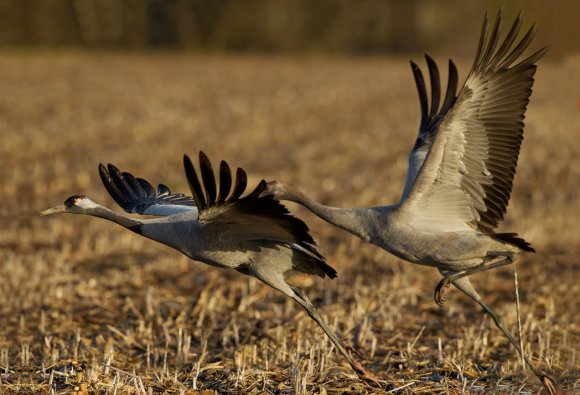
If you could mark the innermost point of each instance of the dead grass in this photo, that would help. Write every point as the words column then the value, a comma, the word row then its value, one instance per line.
column 89, row 307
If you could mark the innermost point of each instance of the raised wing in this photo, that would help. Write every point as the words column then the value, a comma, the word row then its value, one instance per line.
column 430, row 118
column 466, row 179
column 136, row 195
column 236, row 218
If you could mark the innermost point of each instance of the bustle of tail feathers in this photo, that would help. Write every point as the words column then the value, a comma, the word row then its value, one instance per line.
column 311, row 262
column 327, row 269
column 512, row 238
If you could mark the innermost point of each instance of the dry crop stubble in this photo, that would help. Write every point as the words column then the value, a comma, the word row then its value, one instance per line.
column 89, row 306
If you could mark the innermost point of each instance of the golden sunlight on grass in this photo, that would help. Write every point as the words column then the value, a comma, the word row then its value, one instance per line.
column 89, row 307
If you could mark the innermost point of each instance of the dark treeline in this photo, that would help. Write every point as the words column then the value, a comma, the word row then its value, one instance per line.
column 352, row 26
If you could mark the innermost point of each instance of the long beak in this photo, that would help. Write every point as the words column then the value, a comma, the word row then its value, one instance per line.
column 57, row 209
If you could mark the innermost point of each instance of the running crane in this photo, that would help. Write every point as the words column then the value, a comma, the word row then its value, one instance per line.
column 253, row 234
column 460, row 175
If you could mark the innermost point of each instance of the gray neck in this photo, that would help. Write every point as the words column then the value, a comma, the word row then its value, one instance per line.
column 357, row 221
column 127, row 222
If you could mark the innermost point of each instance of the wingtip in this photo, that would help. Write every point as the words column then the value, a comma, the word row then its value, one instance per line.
column 533, row 29
column 241, row 173
column 113, row 169
column 187, row 160
column 203, row 156
column 486, row 17
column 499, row 13
column 103, row 170
column 542, row 52
column 416, row 71
column 261, row 187
column 451, row 65
column 194, row 183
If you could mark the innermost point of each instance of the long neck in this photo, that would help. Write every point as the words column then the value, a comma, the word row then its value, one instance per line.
column 357, row 221
column 103, row 212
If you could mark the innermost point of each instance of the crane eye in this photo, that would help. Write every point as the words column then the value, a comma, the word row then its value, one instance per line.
column 72, row 201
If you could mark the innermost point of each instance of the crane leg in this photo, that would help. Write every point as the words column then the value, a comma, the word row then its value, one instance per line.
column 275, row 279
column 465, row 286
column 450, row 278
column 345, row 350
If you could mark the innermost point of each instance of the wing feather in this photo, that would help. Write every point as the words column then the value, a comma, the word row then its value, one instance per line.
column 435, row 85
column 468, row 172
column 242, row 218
column 208, row 179
column 429, row 120
column 225, row 181
column 136, row 195
column 194, row 183
column 241, row 183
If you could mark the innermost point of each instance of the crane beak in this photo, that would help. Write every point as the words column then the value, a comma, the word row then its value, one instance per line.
column 57, row 209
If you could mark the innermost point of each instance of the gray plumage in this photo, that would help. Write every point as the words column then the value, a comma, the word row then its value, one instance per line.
column 461, row 172
column 252, row 234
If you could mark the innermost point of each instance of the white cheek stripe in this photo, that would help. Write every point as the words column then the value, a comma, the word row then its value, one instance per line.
column 85, row 203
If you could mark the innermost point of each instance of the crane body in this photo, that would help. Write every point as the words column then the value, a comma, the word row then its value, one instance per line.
column 460, row 173
column 252, row 234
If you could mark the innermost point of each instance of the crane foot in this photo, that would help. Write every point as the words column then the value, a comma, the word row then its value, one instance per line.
column 360, row 370
column 371, row 378
column 440, row 290
column 549, row 384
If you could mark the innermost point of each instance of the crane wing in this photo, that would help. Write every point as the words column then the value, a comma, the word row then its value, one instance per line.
column 430, row 118
column 251, row 217
column 466, row 179
column 136, row 195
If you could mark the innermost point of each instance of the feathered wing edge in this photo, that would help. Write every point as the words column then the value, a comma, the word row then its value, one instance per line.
column 136, row 195
column 253, row 216
column 431, row 117
column 492, row 60
column 493, row 57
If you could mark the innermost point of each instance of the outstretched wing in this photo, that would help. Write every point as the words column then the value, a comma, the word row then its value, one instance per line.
column 136, row 195
column 430, row 118
column 251, row 217
column 466, row 179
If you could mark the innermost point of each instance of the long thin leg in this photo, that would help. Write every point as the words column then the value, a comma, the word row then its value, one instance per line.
column 303, row 300
column 274, row 278
column 449, row 278
column 464, row 285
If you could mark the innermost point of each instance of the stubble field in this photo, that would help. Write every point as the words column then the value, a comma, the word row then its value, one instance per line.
column 88, row 306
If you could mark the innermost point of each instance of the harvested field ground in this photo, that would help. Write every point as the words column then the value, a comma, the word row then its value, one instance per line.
column 88, row 306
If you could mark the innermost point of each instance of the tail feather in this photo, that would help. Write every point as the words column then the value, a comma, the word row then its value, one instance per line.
column 327, row 269
column 512, row 238
column 310, row 261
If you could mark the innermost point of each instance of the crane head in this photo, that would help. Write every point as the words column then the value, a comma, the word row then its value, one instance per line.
column 77, row 204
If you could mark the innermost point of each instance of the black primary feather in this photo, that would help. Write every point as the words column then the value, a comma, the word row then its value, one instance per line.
column 225, row 181
column 241, row 183
column 194, row 183
column 136, row 195
column 435, row 85
column 208, row 179
column 432, row 115
column 505, row 134
column 262, row 208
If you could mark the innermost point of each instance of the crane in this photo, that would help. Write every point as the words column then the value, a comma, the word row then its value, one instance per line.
column 460, row 173
column 252, row 234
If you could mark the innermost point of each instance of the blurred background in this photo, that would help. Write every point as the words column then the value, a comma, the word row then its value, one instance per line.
column 349, row 26
column 318, row 93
